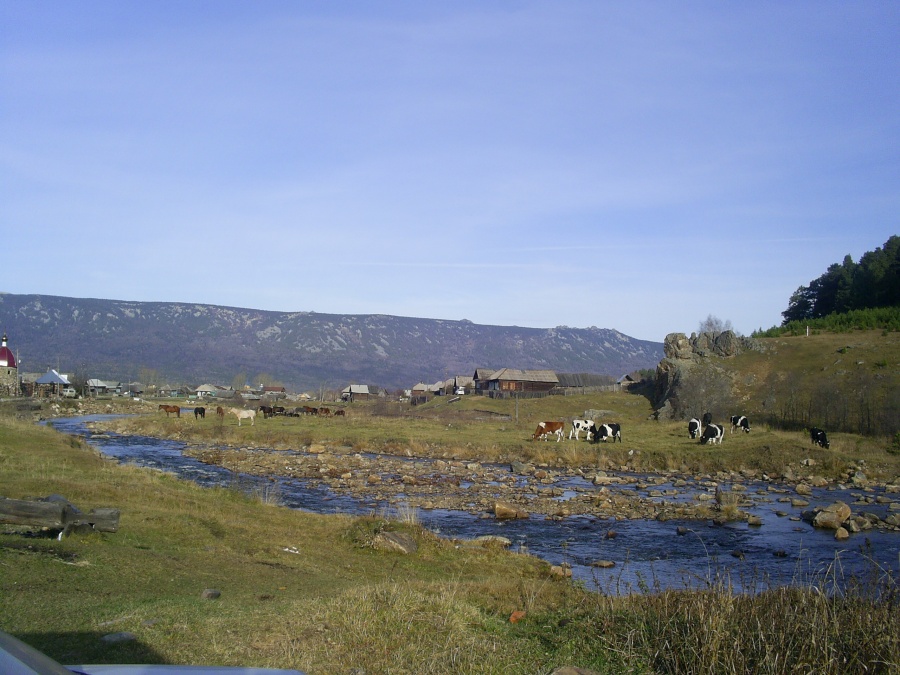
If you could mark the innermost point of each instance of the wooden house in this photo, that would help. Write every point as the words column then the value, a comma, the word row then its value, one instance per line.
column 355, row 392
column 513, row 380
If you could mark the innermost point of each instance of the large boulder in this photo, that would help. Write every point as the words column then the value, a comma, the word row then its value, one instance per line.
column 832, row 517
column 508, row 512
column 689, row 357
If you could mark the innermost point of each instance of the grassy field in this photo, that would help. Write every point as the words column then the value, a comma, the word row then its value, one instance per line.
column 310, row 592
column 493, row 430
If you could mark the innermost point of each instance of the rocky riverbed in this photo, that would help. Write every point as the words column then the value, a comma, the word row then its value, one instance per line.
column 524, row 490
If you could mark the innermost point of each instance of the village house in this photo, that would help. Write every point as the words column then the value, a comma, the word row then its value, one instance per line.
column 355, row 392
column 463, row 384
column 213, row 391
column 510, row 381
column 481, row 378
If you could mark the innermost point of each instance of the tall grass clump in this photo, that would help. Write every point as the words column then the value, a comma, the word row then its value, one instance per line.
column 824, row 625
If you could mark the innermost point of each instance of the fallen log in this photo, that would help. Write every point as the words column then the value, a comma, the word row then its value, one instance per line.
column 57, row 513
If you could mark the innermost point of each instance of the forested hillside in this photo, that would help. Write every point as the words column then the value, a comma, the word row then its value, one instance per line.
column 873, row 282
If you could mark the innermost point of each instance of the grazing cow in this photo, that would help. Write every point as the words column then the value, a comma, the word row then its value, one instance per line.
column 740, row 421
column 713, row 433
column 242, row 414
column 545, row 429
column 694, row 428
column 819, row 437
column 603, row 431
column 220, row 411
column 266, row 411
column 199, row 411
column 581, row 425
column 171, row 409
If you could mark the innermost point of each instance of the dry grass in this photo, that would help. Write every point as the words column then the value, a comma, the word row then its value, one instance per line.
column 305, row 591
column 464, row 430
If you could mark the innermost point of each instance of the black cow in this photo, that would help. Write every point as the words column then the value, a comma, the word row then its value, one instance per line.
column 199, row 411
column 707, row 418
column 818, row 437
column 603, row 431
column 713, row 433
column 694, row 427
column 739, row 421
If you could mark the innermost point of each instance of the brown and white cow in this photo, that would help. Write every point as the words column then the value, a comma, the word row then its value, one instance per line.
column 545, row 429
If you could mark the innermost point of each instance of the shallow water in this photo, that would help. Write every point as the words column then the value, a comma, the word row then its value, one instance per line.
column 648, row 554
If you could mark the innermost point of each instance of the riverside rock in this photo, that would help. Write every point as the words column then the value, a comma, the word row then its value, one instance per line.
column 508, row 512
column 832, row 517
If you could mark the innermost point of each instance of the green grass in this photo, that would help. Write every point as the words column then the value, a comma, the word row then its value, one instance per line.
column 493, row 430
column 305, row 591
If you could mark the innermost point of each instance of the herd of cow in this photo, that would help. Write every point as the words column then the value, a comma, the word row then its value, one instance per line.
column 708, row 432
column 267, row 411
column 277, row 410
column 704, row 429
column 595, row 432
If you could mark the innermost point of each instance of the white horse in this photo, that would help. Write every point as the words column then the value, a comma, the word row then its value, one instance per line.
column 244, row 414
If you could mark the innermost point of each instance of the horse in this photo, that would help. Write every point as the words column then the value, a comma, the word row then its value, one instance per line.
column 170, row 409
column 266, row 411
column 199, row 411
column 241, row 414
column 220, row 411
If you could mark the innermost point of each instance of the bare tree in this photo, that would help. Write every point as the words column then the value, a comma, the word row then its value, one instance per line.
column 713, row 324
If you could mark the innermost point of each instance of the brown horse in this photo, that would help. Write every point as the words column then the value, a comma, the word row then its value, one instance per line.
column 220, row 411
column 171, row 409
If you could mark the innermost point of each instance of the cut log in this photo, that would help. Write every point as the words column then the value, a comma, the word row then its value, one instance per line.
column 56, row 515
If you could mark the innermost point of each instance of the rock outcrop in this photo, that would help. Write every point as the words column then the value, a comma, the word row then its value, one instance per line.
column 687, row 357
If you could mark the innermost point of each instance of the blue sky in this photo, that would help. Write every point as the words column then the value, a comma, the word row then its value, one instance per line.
column 627, row 165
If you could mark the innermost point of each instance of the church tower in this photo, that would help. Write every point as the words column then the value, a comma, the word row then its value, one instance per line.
column 9, row 372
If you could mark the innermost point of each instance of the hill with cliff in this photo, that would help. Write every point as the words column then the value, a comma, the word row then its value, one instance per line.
column 847, row 381
column 196, row 343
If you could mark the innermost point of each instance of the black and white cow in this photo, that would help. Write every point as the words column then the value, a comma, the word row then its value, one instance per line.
column 603, row 431
column 713, row 433
column 694, row 428
column 819, row 437
column 740, row 421
column 581, row 425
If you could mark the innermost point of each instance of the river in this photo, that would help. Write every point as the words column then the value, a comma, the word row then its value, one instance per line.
column 647, row 554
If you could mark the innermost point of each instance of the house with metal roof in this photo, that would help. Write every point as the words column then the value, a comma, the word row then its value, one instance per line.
column 513, row 380
column 355, row 392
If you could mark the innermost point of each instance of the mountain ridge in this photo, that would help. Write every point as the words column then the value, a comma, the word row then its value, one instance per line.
column 199, row 342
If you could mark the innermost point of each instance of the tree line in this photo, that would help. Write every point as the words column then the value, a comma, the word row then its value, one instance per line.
column 873, row 282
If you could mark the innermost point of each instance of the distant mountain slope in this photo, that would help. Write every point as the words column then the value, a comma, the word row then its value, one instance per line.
column 195, row 343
